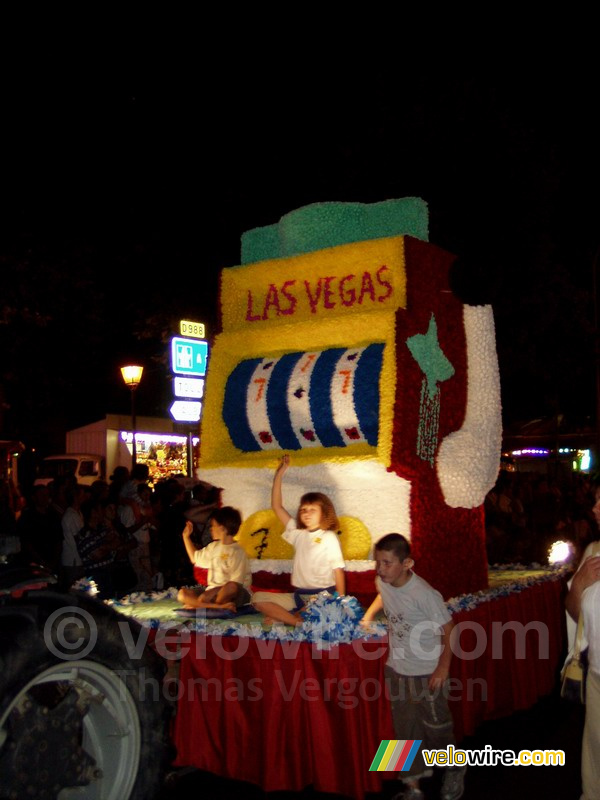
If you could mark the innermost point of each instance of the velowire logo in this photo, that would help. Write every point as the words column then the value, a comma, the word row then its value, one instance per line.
column 395, row 755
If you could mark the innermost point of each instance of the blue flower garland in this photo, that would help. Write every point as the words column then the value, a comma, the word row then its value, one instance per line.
column 467, row 602
column 328, row 620
column 85, row 585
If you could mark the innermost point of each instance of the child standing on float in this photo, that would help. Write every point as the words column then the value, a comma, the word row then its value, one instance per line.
column 318, row 561
column 418, row 665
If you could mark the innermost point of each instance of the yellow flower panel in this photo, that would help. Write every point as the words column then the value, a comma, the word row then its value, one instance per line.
column 217, row 448
column 337, row 282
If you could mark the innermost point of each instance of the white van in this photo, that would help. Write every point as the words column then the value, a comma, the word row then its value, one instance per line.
column 86, row 467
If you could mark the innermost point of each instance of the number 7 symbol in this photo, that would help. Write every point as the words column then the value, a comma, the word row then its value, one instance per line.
column 347, row 373
column 261, row 387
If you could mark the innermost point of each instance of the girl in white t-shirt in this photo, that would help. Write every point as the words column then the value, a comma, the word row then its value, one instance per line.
column 318, row 561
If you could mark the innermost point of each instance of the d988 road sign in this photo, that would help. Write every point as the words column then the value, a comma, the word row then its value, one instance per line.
column 188, row 356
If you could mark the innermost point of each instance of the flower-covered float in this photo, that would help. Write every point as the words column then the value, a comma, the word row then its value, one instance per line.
column 343, row 345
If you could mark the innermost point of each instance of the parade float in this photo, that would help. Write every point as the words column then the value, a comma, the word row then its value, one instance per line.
column 344, row 345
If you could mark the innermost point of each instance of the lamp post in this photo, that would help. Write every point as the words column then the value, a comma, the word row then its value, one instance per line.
column 132, row 376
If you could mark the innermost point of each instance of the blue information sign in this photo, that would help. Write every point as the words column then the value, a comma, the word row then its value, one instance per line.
column 188, row 356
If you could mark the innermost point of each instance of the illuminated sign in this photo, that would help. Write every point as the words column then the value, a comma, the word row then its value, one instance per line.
column 186, row 410
column 195, row 330
column 188, row 356
column 148, row 439
column 188, row 387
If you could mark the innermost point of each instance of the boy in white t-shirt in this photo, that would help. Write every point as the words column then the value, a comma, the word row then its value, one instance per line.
column 229, row 576
column 418, row 660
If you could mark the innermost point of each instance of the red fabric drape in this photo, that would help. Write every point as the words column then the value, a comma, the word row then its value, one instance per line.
column 523, row 637
column 283, row 716
column 286, row 715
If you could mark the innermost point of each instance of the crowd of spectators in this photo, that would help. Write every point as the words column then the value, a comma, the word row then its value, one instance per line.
column 124, row 534
column 127, row 534
column 526, row 512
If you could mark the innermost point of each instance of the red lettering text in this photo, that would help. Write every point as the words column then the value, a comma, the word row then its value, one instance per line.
column 381, row 282
column 314, row 299
column 292, row 300
column 328, row 293
column 366, row 287
column 250, row 317
column 272, row 299
column 348, row 297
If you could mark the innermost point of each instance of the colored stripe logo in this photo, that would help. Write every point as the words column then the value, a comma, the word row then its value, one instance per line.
column 395, row 755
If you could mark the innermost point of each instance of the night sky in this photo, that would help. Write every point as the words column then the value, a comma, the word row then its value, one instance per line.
column 121, row 203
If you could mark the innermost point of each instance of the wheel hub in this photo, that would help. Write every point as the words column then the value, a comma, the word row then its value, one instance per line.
column 42, row 753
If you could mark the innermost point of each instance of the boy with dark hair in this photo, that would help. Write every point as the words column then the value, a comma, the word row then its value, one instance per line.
column 230, row 518
column 229, row 575
column 418, row 661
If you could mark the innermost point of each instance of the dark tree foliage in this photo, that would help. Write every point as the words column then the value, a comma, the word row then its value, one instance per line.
column 52, row 326
column 72, row 313
column 117, row 217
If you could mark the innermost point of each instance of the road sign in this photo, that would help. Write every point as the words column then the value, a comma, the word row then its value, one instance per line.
column 186, row 410
column 188, row 356
column 188, row 387
column 194, row 329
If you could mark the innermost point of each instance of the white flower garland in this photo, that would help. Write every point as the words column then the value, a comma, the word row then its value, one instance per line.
column 328, row 620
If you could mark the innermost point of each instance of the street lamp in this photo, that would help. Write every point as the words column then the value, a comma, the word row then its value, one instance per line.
column 132, row 376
